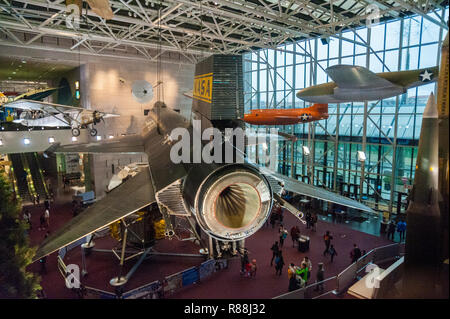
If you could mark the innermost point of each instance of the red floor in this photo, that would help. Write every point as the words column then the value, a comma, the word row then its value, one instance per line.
column 227, row 283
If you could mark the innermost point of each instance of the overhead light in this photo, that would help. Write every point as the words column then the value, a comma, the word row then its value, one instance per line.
column 111, row 136
column 98, row 137
column 74, row 139
column 306, row 150
column 51, row 140
column 361, row 156
column 26, row 141
column 23, row 61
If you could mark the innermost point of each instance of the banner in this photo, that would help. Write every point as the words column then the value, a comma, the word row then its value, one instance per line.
column 149, row 291
column 206, row 269
column 190, row 276
column 173, row 283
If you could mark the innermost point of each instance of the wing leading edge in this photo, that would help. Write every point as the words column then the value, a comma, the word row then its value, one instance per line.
column 124, row 144
column 298, row 187
column 354, row 77
column 114, row 206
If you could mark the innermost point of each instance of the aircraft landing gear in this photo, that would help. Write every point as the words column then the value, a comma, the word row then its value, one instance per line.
column 93, row 132
column 76, row 131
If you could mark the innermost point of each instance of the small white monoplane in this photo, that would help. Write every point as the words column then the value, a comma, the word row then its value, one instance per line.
column 44, row 114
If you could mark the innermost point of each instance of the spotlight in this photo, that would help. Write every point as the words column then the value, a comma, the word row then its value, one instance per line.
column 361, row 156
column 51, row 140
column 74, row 139
column 306, row 150
column 26, row 141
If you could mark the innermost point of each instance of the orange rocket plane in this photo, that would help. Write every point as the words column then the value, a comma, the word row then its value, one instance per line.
column 287, row 116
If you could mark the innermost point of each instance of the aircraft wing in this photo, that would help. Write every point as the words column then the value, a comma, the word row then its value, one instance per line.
column 124, row 144
column 30, row 105
column 353, row 76
column 115, row 205
column 295, row 186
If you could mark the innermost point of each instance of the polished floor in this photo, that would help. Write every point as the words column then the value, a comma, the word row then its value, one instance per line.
column 102, row 266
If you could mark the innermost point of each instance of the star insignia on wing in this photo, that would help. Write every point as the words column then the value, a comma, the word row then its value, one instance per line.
column 426, row 76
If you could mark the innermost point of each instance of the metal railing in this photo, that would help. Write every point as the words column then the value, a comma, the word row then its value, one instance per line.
column 340, row 283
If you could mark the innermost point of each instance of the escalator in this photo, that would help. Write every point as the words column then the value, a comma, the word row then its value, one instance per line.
column 36, row 174
column 21, row 176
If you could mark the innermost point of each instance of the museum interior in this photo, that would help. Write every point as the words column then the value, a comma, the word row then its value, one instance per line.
column 278, row 149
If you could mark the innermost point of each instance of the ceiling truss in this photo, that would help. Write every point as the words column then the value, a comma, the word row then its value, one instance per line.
column 191, row 30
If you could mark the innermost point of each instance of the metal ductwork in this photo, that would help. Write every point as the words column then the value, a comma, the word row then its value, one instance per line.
column 230, row 202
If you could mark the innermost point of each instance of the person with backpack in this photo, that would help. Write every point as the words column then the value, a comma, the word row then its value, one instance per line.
column 275, row 249
column 283, row 234
column 327, row 240
column 332, row 252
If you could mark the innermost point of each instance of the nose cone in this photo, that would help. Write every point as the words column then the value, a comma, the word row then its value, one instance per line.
column 304, row 93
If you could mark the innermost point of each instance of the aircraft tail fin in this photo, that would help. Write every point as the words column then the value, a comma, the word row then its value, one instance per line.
column 322, row 108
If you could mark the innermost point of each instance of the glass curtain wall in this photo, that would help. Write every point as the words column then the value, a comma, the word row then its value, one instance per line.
column 390, row 135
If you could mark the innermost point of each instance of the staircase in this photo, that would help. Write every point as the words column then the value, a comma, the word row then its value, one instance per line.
column 36, row 174
column 21, row 176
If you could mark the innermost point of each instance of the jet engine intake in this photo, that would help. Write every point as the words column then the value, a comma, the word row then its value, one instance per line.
column 231, row 202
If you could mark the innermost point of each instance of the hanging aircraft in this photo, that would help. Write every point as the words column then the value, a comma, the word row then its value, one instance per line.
column 34, row 94
column 44, row 114
column 354, row 83
column 230, row 201
column 287, row 116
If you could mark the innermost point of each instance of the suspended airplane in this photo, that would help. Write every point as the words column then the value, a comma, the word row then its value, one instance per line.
column 229, row 201
column 34, row 94
column 354, row 83
column 287, row 116
column 44, row 114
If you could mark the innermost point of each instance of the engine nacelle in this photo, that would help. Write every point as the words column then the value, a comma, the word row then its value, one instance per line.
column 230, row 202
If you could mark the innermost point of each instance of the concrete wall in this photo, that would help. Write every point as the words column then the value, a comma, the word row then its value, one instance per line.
column 106, row 86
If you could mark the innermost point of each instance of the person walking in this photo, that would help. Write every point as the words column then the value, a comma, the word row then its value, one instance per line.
column 275, row 249
column 295, row 234
column 47, row 218
column 332, row 252
column 355, row 254
column 279, row 263
column 313, row 222
column 391, row 230
column 244, row 260
column 320, row 277
column 308, row 219
column 283, row 234
column 327, row 240
column 401, row 228
column 42, row 222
